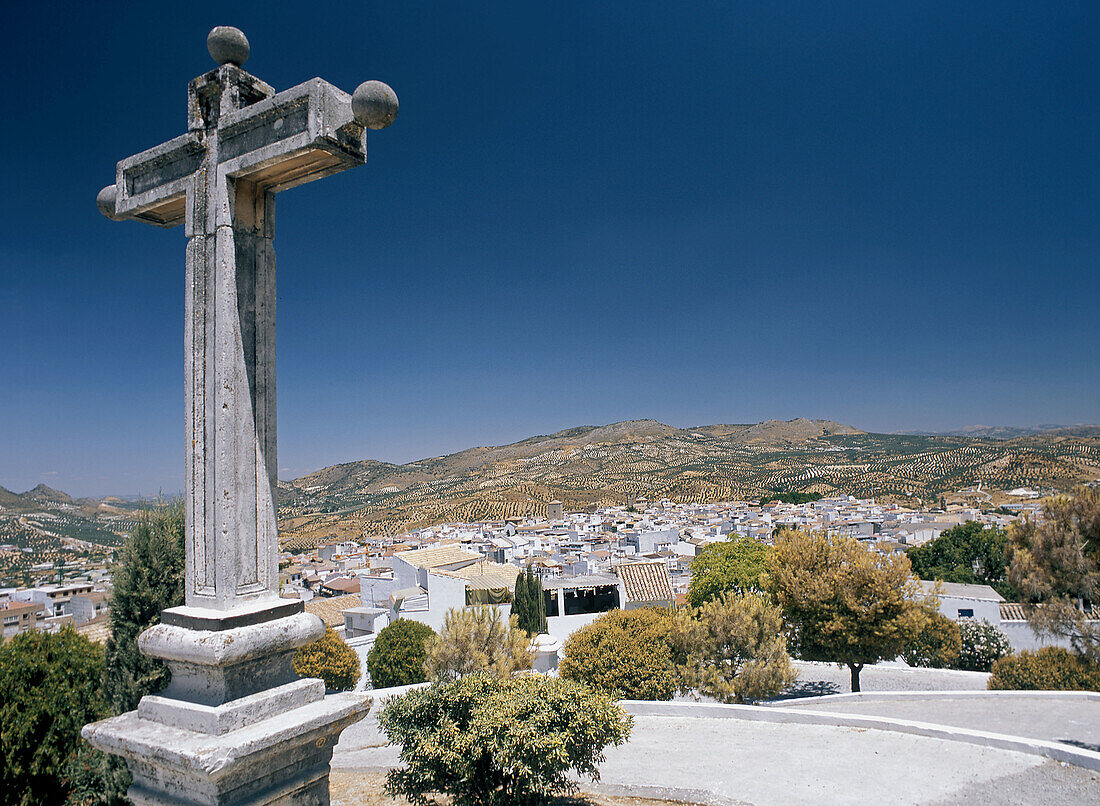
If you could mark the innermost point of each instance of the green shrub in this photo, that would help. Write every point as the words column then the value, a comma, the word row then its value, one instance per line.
column 477, row 639
column 330, row 659
column 982, row 645
column 490, row 741
column 397, row 657
column 49, row 689
column 937, row 646
column 732, row 649
column 625, row 653
column 1051, row 668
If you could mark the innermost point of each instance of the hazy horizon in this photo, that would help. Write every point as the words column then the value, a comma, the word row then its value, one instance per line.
column 107, row 490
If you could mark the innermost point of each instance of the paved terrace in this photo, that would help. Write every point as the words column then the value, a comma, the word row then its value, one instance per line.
column 705, row 759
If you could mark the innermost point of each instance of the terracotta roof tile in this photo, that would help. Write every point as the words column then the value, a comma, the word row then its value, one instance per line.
column 646, row 582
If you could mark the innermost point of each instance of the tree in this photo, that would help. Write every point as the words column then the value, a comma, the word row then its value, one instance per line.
column 488, row 741
column 50, row 686
column 529, row 603
column 936, row 646
column 733, row 649
column 843, row 602
column 626, row 653
column 477, row 639
column 522, row 601
column 735, row 565
column 330, row 659
column 1055, row 563
column 969, row 553
column 147, row 579
column 397, row 657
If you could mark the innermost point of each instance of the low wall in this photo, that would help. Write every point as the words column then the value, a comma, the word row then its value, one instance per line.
column 878, row 696
column 561, row 627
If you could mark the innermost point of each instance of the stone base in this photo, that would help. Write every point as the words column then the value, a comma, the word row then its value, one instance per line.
column 235, row 727
column 280, row 760
column 216, row 666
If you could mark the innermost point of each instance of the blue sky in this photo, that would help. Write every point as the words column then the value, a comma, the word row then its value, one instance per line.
column 886, row 214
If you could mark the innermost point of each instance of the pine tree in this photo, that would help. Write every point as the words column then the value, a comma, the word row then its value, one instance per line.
column 843, row 602
column 477, row 639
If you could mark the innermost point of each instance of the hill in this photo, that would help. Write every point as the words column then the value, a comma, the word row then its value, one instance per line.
column 44, row 525
column 590, row 466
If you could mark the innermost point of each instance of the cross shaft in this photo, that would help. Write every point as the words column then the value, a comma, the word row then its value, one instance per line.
column 244, row 143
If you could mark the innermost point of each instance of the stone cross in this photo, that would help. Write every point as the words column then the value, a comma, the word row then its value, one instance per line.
column 235, row 725
column 244, row 143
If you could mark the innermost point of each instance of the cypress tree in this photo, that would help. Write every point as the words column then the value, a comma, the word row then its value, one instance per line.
column 147, row 579
column 534, row 587
column 521, row 603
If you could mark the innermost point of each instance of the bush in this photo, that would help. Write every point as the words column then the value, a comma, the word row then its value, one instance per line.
column 982, row 645
column 330, row 659
column 49, row 688
column 489, row 741
column 397, row 657
column 733, row 649
column 1051, row 668
column 625, row 653
column 477, row 639
column 937, row 646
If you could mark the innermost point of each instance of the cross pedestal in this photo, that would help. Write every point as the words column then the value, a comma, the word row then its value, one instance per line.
column 235, row 725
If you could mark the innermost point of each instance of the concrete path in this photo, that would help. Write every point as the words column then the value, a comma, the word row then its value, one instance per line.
column 729, row 761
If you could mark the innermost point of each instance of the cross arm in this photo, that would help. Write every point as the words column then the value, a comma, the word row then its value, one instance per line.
column 296, row 136
column 274, row 141
column 152, row 186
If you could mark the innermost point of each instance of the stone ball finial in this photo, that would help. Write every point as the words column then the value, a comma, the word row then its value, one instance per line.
column 374, row 104
column 227, row 45
column 105, row 201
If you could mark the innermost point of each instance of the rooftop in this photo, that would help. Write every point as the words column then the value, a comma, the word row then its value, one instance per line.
column 959, row 590
column 330, row 610
column 436, row 557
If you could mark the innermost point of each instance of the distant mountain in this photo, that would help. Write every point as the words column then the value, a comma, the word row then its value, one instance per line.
column 599, row 465
column 1013, row 432
column 43, row 493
